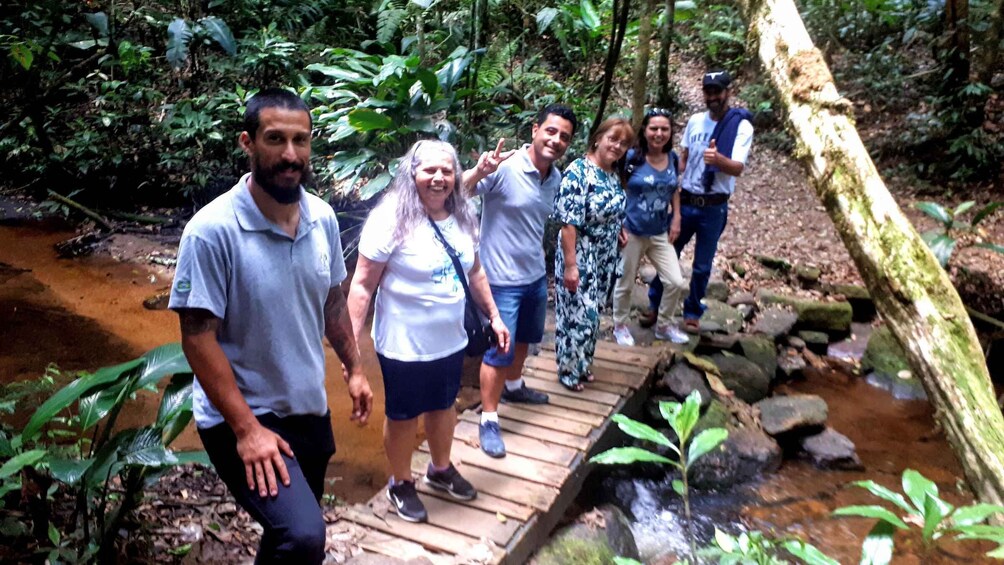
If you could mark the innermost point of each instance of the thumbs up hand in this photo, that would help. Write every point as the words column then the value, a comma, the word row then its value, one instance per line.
column 711, row 154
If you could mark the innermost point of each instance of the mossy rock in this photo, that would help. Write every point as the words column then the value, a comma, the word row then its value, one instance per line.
column 817, row 342
column 717, row 290
column 742, row 376
column 813, row 314
column 858, row 297
column 761, row 350
column 807, row 273
column 584, row 544
column 715, row 416
column 883, row 354
column 776, row 263
column 720, row 317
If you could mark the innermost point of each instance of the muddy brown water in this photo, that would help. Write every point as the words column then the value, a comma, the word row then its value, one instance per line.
column 88, row 313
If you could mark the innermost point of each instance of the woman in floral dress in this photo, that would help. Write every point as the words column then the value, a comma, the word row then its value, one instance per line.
column 590, row 205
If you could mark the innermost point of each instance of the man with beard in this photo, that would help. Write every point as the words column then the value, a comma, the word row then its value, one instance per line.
column 518, row 196
column 714, row 150
column 256, row 289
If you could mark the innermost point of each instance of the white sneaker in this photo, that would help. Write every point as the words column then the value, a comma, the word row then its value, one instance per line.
column 670, row 332
column 623, row 335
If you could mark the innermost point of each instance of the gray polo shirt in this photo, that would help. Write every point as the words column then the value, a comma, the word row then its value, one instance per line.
column 515, row 204
column 268, row 290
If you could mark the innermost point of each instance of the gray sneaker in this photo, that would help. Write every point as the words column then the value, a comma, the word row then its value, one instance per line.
column 524, row 395
column 406, row 503
column 490, row 436
column 450, row 481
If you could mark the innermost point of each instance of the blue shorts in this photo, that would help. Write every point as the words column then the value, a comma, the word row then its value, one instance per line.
column 523, row 309
column 412, row 388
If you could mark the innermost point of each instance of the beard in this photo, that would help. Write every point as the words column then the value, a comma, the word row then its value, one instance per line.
column 266, row 177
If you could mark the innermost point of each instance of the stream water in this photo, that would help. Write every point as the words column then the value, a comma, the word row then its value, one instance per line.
column 88, row 313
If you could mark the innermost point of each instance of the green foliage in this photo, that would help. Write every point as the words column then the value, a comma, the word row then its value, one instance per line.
column 754, row 548
column 943, row 239
column 107, row 470
column 921, row 503
column 181, row 35
column 721, row 35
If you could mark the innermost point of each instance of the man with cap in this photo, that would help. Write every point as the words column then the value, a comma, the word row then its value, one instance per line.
column 715, row 146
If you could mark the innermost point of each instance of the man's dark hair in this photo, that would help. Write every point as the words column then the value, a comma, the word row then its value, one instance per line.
column 272, row 98
column 559, row 110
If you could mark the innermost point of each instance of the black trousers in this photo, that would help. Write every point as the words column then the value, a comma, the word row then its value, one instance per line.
column 294, row 530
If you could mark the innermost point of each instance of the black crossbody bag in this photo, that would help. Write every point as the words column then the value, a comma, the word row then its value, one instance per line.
column 480, row 337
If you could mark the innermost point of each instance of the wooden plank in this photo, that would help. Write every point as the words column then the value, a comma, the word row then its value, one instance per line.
column 569, row 414
column 610, row 351
column 533, row 448
column 529, row 430
column 548, row 382
column 612, row 388
column 457, row 517
column 514, row 465
column 428, row 535
column 484, row 501
column 580, row 404
column 603, row 374
column 543, row 420
column 609, row 395
column 614, row 366
column 382, row 543
column 506, row 487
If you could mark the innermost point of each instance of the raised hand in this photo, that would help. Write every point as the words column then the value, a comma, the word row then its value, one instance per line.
column 489, row 161
column 711, row 154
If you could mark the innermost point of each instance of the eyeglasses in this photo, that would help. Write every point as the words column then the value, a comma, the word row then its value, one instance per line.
column 658, row 112
column 619, row 142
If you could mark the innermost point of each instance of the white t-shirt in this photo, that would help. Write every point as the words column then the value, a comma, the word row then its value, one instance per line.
column 695, row 141
column 419, row 312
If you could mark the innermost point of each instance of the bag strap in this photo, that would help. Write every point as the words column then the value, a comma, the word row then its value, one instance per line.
column 456, row 260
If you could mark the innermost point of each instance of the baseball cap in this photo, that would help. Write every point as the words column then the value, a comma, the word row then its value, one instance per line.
column 717, row 79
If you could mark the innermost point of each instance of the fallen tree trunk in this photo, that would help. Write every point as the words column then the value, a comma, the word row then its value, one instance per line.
column 911, row 290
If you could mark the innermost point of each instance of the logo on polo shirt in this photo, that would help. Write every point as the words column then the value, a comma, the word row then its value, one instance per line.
column 325, row 263
column 183, row 286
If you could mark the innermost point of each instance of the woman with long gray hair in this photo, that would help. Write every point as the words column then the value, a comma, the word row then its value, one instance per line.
column 418, row 323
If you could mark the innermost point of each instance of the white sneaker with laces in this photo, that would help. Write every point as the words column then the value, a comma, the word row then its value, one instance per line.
column 671, row 333
column 623, row 335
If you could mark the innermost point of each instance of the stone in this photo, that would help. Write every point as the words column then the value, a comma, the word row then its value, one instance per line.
column 720, row 317
column 595, row 538
column 741, row 298
column 813, row 314
column 782, row 414
column 744, row 456
column 883, row 354
column 808, row 274
column 831, row 449
column 775, row 263
column 742, row 376
column 774, row 322
column 790, row 364
column 817, row 342
column 712, row 342
column 717, row 290
column 157, row 301
column 796, row 342
column 739, row 269
column 858, row 297
column 682, row 379
column 902, row 386
column 760, row 350
column 747, row 310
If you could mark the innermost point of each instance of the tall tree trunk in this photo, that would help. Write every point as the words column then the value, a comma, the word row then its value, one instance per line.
column 957, row 45
column 639, row 78
column 910, row 289
column 990, row 48
column 620, row 19
column 663, row 95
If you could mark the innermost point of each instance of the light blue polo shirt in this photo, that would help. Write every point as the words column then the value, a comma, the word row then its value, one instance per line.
column 515, row 205
column 268, row 290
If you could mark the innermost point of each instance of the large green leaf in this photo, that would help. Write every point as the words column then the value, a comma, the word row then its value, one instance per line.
column 20, row 461
column 147, row 450
column 95, row 406
column 917, row 487
column 175, row 410
column 705, row 442
column 936, row 211
column 688, row 415
column 430, row 84
column 341, row 73
column 369, row 120
column 628, row 455
column 108, row 460
column 942, row 246
column 188, row 457
column 986, row 211
column 69, row 471
column 220, row 33
column 165, row 360
column 975, row 514
column 590, row 16
column 877, row 549
column 544, row 18
column 991, row 246
column 454, row 68
column 99, row 21
column 23, row 54
column 179, row 35
column 374, row 186
column 639, row 430
column 963, row 208
column 808, row 553
column 66, row 396
column 872, row 511
column 932, row 516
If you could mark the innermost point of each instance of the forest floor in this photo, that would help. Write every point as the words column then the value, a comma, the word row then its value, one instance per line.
column 775, row 212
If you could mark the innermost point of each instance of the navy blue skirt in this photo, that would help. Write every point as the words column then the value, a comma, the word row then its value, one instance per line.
column 412, row 388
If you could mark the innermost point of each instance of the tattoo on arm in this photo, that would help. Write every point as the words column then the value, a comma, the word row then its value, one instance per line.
column 334, row 306
column 195, row 321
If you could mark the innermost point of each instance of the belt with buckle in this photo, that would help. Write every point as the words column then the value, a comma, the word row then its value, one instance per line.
column 702, row 200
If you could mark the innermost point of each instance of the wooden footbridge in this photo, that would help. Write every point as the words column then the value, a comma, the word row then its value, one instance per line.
column 523, row 495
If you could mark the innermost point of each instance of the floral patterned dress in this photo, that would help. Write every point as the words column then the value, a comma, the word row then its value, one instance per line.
column 593, row 201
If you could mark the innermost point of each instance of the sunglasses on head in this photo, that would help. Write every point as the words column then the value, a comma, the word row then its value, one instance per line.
column 658, row 112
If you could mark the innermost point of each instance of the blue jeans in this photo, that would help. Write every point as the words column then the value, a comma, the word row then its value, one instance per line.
column 523, row 309
column 707, row 223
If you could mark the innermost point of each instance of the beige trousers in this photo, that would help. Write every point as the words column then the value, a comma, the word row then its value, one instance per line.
column 661, row 254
